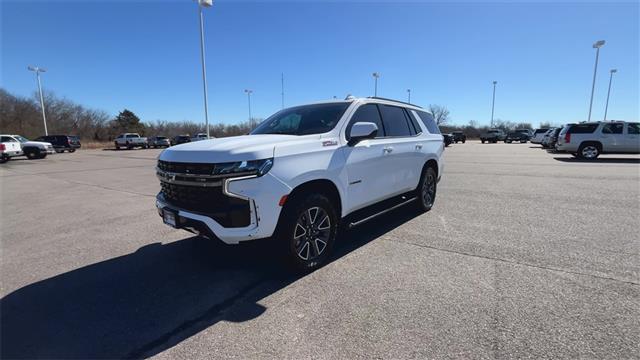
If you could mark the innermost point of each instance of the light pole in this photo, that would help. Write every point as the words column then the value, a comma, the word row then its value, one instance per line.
column 201, row 4
column 597, row 45
column 493, row 102
column 375, row 89
column 606, row 107
column 38, row 70
column 249, row 92
column 409, row 96
column 282, row 87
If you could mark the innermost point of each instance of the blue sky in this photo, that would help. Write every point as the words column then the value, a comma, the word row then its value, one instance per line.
column 144, row 55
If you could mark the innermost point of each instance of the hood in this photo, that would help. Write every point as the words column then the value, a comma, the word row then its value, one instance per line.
column 36, row 143
column 235, row 148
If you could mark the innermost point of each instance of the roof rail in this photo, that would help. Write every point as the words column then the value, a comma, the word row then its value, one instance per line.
column 398, row 101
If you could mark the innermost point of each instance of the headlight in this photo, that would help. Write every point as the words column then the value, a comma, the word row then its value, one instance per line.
column 256, row 167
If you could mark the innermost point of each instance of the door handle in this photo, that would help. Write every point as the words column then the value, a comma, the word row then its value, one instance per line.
column 388, row 149
column 419, row 147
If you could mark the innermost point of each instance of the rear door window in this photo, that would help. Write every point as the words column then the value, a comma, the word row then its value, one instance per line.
column 615, row 128
column 395, row 123
column 633, row 128
column 428, row 121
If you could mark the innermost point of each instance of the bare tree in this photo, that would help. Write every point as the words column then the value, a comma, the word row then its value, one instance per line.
column 440, row 114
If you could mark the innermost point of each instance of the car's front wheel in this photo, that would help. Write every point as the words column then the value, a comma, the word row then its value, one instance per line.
column 310, row 228
column 427, row 189
column 31, row 154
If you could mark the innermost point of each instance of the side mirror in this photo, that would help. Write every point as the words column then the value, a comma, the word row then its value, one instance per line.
column 361, row 131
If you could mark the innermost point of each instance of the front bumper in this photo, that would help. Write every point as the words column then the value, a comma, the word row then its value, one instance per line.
column 263, row 195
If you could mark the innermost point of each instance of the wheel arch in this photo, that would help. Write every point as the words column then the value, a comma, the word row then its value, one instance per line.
column 323, row 186
column 597, row 143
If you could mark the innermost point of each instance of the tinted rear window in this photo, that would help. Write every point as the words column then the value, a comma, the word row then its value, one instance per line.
column 582, row 128
column 541, row 131
column 428, row 121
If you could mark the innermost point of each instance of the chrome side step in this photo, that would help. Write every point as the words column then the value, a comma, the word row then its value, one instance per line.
column 360, row 222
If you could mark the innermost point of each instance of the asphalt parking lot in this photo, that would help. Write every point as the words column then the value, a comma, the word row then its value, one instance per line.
column 525, row 254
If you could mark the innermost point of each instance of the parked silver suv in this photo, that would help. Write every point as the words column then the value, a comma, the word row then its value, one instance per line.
column 589, row 140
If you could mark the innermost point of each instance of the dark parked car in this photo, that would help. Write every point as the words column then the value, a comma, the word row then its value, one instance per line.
column 493, row 136
column 62, row 143
column 180, row 139
column 516, row 136
column 459, row 136
column 448, row 139
column 159, row 141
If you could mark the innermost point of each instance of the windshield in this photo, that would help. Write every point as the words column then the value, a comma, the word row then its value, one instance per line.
column 21, row 139
column 492, row 131
column 303, row 120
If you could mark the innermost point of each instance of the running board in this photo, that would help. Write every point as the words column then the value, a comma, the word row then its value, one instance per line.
column 360, row 222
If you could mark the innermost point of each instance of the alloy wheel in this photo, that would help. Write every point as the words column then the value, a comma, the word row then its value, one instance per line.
column 590, row 152
column 312, row 233
column 428, row 189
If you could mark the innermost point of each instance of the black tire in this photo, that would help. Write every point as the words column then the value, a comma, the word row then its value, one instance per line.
column 72, row 150
column 482, row 141
column 304, row 233
column 523, row 141
column 508, row 141
column 464, row 141
column 42, row 156
column 589, row 151
column 427, row 189
column 31, row 154
column 117, row 146
column 4, row 159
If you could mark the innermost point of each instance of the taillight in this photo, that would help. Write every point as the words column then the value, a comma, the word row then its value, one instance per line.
column 2, row 147
column 567, row 138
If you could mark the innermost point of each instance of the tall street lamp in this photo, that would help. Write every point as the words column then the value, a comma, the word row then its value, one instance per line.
column 606, row 107
column 375, row 89
column 38, row 70
column 409, row 96
column 201, row 4
column 493, row 102
column 249, row 92
column 597, row 45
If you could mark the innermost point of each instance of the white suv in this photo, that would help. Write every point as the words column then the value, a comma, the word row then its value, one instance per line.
column 302, row 173
column 589, row 140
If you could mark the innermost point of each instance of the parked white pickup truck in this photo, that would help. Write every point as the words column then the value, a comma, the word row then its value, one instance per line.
column 130, row 141
column 32, row 149
column 9, row 147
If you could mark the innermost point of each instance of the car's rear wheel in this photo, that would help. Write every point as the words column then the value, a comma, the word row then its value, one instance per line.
column 589, row 151
column 4, row 158
column 117, row 146
column 309, row 231
column 427, row 189
column 482, row 141
column 72, row 150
